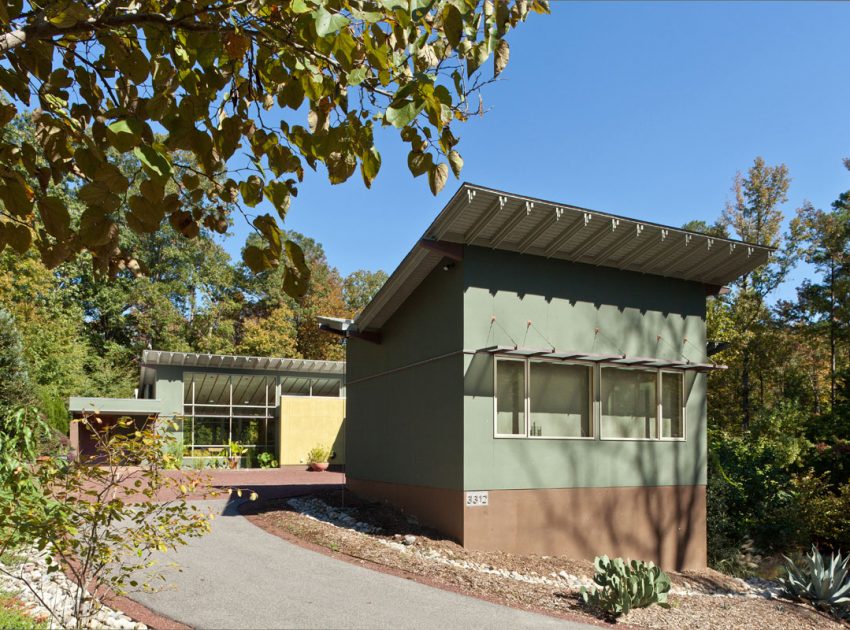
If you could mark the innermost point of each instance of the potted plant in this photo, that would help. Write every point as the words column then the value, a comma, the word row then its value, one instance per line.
column 318, row 458
column 236, row 453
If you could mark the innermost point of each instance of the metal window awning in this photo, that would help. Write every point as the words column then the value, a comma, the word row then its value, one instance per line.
column 608, row 359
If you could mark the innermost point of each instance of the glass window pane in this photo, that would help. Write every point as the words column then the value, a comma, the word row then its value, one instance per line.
column 510, row 398
column 672, row 424
column 210, row 431
column 628, row 403
column 250, row 431
column 560, row 400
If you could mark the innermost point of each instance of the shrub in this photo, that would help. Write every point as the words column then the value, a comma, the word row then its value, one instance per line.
column 626, row 585
column 826, row 585
column 103, row 522
column 318, row 454
column 267, row 460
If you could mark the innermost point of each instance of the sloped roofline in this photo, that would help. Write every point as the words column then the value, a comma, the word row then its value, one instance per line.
column 499, row 220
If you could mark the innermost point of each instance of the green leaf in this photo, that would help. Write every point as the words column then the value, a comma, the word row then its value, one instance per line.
column 356, row 76
column 55, row 216
column 452, row 25
column 403, row 114
column 280, row 197
column 341, row 165
column 419, row 163
column 252, row 190
column 437, row 177
column 327, row 23
column 270, row 231
column 456, row 162
column 18, row 237
column 371, row 164
column 96, row 229
column 296, row 277
column 154, row 160
column 256, row 259
column 124, row 134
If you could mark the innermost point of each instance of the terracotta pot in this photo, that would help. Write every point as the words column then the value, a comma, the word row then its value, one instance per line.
column 319, row 466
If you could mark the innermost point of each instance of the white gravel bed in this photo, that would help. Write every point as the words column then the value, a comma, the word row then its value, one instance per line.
column 344, row 518
column 32, row 584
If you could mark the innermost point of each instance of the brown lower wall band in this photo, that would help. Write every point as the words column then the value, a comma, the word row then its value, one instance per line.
column 665, row 524
column 439, row 508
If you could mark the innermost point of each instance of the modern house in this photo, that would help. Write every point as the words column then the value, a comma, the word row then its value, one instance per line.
column 278, row 405
column 532, row 378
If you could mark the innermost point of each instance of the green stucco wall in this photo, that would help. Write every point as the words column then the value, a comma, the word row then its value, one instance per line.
column 405, row 404
column 567, row 302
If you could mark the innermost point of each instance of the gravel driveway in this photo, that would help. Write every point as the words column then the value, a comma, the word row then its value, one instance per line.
column 240, row 576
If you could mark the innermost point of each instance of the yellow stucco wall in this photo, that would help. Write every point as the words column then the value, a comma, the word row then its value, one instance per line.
column 309, row 421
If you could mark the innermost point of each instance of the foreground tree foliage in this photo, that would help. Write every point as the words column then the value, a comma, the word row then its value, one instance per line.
column 102, row 523
column 222, row 105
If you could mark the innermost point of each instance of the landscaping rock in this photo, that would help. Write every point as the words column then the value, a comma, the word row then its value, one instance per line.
column 52, row 595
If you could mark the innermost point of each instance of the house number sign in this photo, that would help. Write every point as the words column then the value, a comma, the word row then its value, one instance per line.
column 477, row 499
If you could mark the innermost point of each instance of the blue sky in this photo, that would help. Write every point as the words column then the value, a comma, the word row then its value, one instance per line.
column 640, row 109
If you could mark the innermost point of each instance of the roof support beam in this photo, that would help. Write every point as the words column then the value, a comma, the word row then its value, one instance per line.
column 509, row 226
column 597, row 236
column 538, row 231
column 623, row 238
column 569, row 231
column 734, row 261
column 672, row 265
column 449, row 250
column 648, row 264
column 644, row 247
column 714, row 260
column 486, row 218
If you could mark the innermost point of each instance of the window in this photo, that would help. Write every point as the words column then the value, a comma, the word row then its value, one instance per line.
column 628, row 403
column 543, row 399
column 641, row 404
column 672, row 406
column 220, row 408
column 559, row 400
column 510, row 398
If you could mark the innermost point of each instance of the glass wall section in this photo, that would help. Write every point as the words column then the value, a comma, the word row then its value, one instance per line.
column 222, row 408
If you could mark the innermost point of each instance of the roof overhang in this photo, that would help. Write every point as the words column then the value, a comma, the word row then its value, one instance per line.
column 498, row 220
column 115, row 406
column 155, row 358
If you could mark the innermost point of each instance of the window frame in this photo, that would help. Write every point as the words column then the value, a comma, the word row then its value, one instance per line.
column 594, row 399
column 526, row 363
column 684, row 408
column 658, row 404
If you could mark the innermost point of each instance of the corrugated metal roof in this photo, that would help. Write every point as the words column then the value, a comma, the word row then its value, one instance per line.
column 499, row 220
column 229, row 361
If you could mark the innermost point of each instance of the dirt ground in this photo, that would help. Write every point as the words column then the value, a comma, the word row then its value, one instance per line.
column 714, row 600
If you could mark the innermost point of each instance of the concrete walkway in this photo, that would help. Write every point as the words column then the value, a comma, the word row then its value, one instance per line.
column 240, row 576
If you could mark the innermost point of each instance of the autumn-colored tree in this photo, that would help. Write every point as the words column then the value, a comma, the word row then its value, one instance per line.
column 222, row 104
column 755, row 216
column 271, row 336
column 359, row 287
